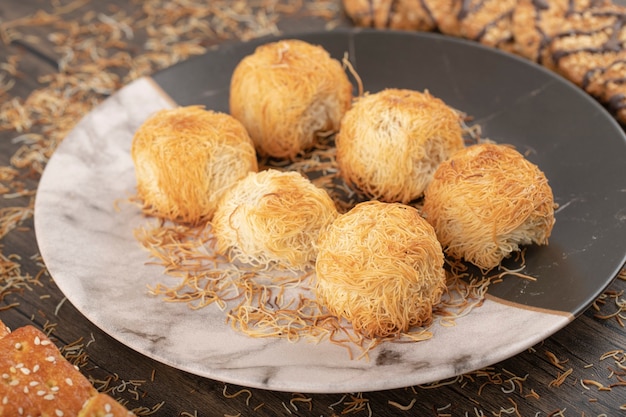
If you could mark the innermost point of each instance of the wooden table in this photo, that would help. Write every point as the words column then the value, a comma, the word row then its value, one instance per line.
column 48, row 81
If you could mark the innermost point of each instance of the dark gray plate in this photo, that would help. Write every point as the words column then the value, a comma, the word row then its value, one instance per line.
column 568, row 135
column 85, row 234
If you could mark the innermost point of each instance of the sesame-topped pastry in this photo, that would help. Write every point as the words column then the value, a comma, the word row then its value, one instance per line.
column 102, row 405
column 36, row 380
column 4, row 330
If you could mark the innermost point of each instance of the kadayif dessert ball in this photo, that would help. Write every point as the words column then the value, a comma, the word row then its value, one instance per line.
column 186, row 158
column 391, row 142
column 273, row 217
column 486, row 202
column 287, row 94
column 380, row 266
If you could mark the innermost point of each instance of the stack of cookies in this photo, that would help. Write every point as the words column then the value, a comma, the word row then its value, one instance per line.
column 583, row 40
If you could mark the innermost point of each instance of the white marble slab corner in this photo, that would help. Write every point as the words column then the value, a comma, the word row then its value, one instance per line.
column 90, row 251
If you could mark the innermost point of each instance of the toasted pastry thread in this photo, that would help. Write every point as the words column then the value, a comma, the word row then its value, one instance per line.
column 486, row 201
column 273, row 217
column 186, row 158
column 391, row 142
column 286, row 94
column 380, row 266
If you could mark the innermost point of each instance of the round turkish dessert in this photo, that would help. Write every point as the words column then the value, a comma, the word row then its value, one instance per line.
column 380, row 266
column 486, row 202
column 287, row 94
column 391, row 142
column 186, row 158
column 273, row 217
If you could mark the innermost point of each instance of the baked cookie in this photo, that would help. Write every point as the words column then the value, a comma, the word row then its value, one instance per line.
column 592, row 56
column 607, row 82
column 487, row 21
column 536, row 24
column 394, row 14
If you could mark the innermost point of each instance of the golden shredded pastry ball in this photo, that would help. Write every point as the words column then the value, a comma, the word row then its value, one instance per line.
column 273, row 217
column 286, row 94
column 391, row 142
column 186, row 158
column 380, row 266
column 486, row 201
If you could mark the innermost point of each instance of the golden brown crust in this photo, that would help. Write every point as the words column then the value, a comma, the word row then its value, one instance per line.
column 287, row 94
column 36, row 379
column 487, row 21
column 380, row 267
column 446, row 14
column 102, row 405
column 273, row 217
column 537, row 24
column 592, row 55
column 186, row 158
column 391, row 142
column 4, row 330
column 394, row 14
column 486, row 201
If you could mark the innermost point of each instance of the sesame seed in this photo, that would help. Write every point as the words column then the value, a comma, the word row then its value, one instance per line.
column 54, row 389
column 37, row 340
column 18, row 346
column 20, row 410
column 19, row 365
column 107, row 407
column 50, row 359
column 59, row 413
column 41, row 393
column 12, row 369
column 45, row 342
column 5, row 400
column 48, row 397
column 5, row 376
column 36, row 368
column 33, row 383
column 26, row 389
column 69, row 381
column 14, row 382
column 25, row 371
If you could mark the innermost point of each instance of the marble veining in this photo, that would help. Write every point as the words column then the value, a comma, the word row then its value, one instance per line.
column 89, row 248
